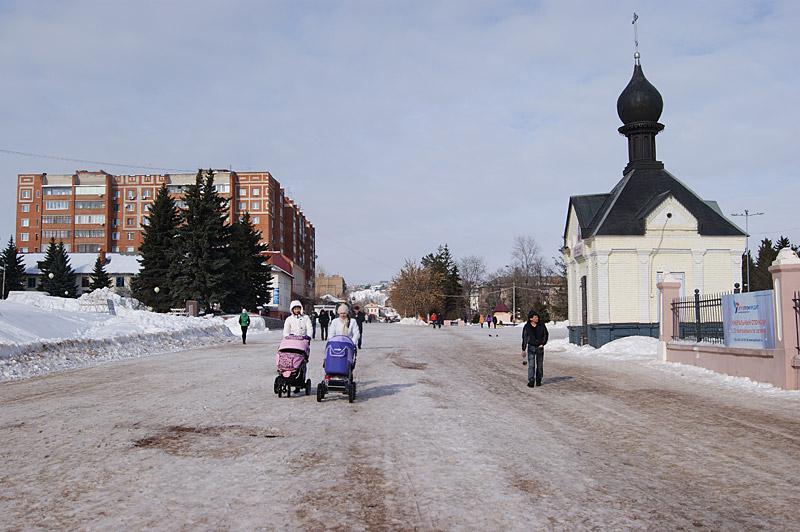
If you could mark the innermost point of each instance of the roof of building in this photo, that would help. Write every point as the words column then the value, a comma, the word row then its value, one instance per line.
column 501, row 307
column 623, row 211
column 640, row 101
column 83, row 263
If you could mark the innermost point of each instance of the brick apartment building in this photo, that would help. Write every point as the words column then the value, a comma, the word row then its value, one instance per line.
column 97, row 211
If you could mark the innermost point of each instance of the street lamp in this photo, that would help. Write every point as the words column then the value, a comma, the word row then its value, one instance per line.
column 156, row 289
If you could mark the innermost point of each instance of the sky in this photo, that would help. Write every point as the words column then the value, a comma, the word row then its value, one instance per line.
column 400, row 126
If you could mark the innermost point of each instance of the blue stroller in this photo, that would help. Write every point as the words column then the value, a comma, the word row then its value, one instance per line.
column 340, row 359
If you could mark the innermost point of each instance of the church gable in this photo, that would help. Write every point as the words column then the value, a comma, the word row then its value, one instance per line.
column 669, row 214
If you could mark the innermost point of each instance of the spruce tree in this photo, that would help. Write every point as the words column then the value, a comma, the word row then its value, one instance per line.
column 100, row 278
column 251, row 278
column 45, row 267
column 57, row 262
column 200, row 268
column 760, row 278
column 12, row 269
column 157, row 252
column 447, row 281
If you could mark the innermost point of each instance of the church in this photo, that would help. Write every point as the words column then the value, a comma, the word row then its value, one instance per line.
column 619, row 245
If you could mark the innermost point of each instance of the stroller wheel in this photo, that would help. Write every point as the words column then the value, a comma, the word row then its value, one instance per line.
column 277, row 386
column 308, row 386
column 288, row 390
column 320, row 392
column 351, row 392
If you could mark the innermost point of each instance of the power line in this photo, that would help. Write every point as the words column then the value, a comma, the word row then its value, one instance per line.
column 88, row 161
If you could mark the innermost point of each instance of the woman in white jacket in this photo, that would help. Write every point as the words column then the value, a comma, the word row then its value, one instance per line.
column 344, row 325
column 298, row 324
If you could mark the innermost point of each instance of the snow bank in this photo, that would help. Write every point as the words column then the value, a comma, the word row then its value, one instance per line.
column 40, row 334
column 257, row 325
column 412, row 321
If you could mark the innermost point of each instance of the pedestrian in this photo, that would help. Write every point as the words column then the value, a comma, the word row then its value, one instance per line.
column 298, row 324
column 481, row 320
column 314, row 317
column 441, row 320
column 489, row 321
column 244, row 322
column 360, row 318
column 494, row 321
column 434, row 319
column 534, row 338
column 344, row 325
column 324, row 320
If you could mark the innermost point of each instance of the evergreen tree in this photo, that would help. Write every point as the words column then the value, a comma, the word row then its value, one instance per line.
column 56, row 261
column 251, row 278
column 760, row 278
column 783, row 242
column 12, row 269
column 100, row 278
column 200, row 268
column 447, row 282
column 157, row 252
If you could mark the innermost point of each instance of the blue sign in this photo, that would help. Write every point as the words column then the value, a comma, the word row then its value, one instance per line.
column 748, row 319
column 276, row 296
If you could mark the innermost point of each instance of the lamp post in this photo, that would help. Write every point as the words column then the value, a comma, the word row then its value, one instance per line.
column 50, row 276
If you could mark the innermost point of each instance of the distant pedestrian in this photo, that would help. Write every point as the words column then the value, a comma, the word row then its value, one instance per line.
column 244, row 322
column 534, row 338
column 324, row 320
column 434, row 319
column 489, row 321
column 360, row 318
column 314, row 317
column 481, row 320
column 494, row 321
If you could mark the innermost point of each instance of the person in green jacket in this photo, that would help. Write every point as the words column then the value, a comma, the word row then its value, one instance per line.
column 244, row 321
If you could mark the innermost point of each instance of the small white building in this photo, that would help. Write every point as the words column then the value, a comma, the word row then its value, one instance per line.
column 618, row 245
column 120, row 268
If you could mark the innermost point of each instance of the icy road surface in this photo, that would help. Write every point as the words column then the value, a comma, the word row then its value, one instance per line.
column 444, row 435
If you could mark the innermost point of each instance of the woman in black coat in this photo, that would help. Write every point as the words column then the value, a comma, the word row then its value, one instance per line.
column 534, row 337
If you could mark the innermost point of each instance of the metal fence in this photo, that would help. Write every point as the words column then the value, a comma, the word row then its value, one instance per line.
column 796, row 303
column 698, row 318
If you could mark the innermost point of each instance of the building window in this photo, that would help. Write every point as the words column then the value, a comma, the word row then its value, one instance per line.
column 145, row 193
column 131, row 194
column 243, row 192
column 114, row 236
column 115, row 249
column 242, row 205
column 31, row 280
column 89, row 233
column 90, row 190
column 63, row 220
column 56, row 205
column 255, row 205
column 129, row 249
column 57, row 191
column 90, row 218
column 26, row 207
column 25, row 193
column 89, row 205
column 256, row 220
column 23, row 237
column 120, row 282
column 88, row 248
column 57, row 234
column 130, row 207
column 130, row 221
column 24, row 222
column 255, row 191
column 116, row 194
column 84, row 282
column 129, row 236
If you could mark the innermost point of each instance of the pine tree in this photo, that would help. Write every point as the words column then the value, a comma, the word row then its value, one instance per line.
column 251, row 278
column 760, row 278
column 200, row 268
column 783, row 242
column 12, row 269
column 157, row 252
column 56, row 262
column 100, row 278
column 447, row 282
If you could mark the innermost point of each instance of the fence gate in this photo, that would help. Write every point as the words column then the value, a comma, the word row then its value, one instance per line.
column 584, row 313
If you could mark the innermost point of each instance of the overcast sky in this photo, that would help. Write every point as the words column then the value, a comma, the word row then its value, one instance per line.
column 401, row 125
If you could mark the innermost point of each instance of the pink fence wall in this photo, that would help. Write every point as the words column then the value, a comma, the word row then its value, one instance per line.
column 779, row 367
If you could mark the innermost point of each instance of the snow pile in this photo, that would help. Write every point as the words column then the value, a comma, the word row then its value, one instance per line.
column 40, row 334
column 631, row 348
column 412, row 321
column 257, row 325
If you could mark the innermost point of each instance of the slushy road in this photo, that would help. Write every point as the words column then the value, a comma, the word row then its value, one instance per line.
column 444, row 435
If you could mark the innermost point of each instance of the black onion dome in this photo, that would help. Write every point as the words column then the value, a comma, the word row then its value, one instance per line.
column 640, row 101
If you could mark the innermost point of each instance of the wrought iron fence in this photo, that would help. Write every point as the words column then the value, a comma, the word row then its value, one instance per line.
column 698, row 318
column 796, row 303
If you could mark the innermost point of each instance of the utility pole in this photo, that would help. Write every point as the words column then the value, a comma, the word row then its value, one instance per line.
column 747, row 214
column 514, row 302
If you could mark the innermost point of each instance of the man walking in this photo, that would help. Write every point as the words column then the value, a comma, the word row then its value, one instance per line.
column 314, row 324
column 324, row 321
column 244, row 322
column 534, row 337
column 360, row 317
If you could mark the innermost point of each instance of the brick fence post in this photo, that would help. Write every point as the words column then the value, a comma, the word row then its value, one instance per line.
column 669, row 288
column 786, row 281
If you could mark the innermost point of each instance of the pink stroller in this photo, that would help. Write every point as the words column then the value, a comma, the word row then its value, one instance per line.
column 291, row 361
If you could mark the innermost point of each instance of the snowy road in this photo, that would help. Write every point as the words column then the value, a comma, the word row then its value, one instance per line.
column 444, row 435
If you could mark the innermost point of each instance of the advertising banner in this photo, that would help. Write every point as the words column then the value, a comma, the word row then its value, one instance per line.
column 749, row 319
column 276, row 296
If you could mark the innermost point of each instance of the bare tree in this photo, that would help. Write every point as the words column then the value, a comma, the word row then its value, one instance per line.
column 414, row 290
column 473, row 273
column 529, row 275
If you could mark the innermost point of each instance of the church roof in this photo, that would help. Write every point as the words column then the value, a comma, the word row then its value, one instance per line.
column 623, row 211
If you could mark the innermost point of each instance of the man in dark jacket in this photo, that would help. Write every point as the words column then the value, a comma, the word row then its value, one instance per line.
column 314, row 317
column 360, row 318
column 534, row 337
column 324, row 320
